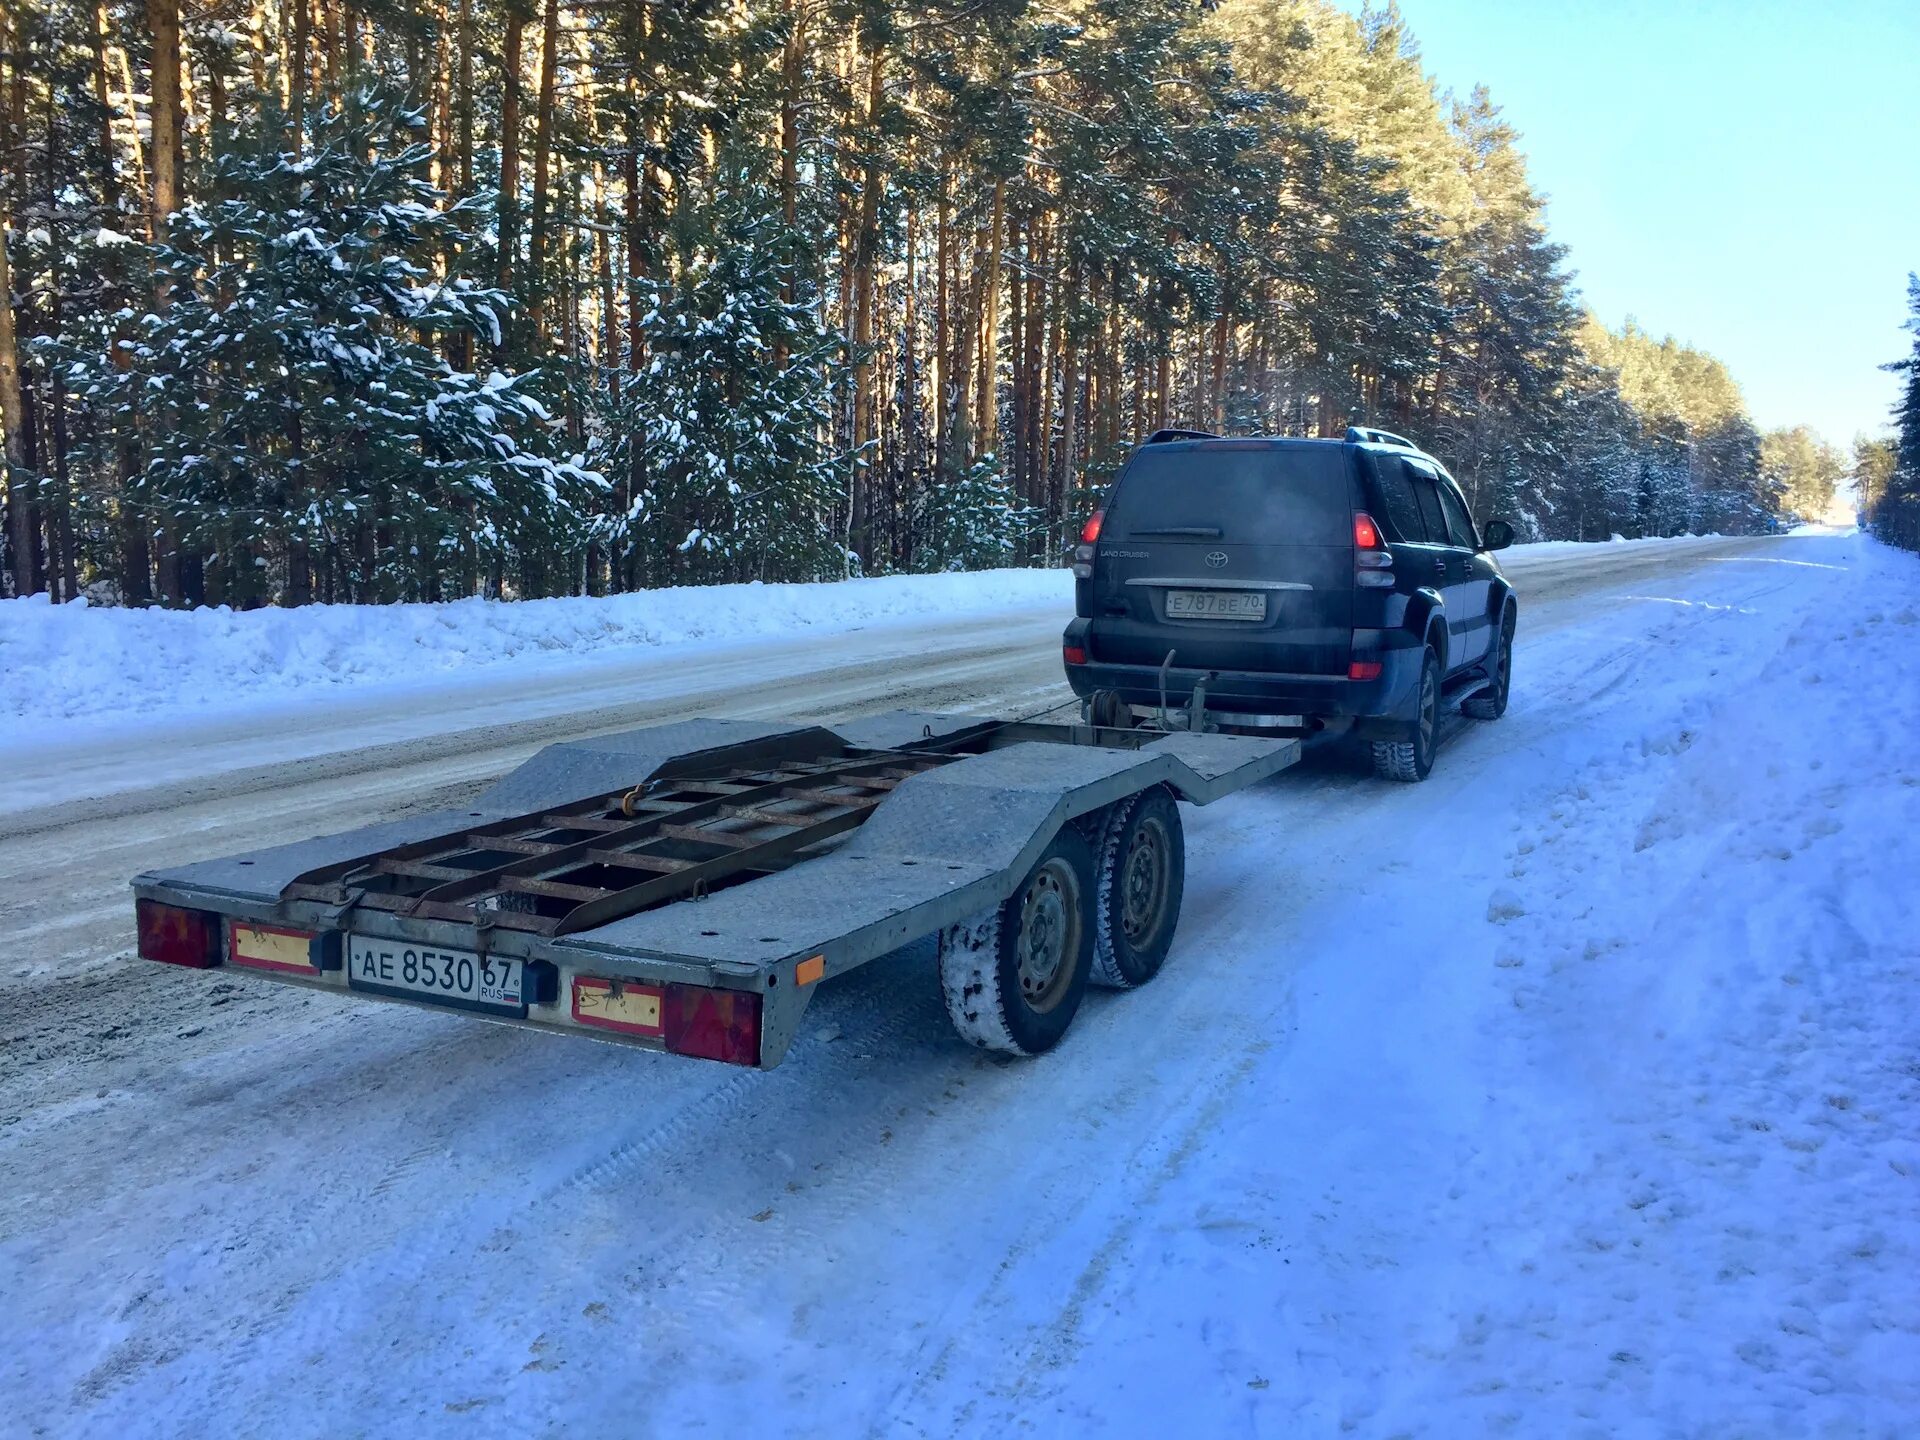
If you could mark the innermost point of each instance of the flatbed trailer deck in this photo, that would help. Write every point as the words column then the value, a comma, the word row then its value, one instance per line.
column 686, row 887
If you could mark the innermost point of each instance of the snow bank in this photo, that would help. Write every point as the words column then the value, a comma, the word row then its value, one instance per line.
column 61, row 662
column 80, row 662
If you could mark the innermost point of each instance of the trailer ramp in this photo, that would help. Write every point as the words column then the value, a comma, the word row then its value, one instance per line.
column 563, row 869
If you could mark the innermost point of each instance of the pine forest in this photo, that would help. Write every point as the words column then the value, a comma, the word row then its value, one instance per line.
column 323, row 300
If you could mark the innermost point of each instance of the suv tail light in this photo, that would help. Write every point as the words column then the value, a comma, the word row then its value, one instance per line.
column 1083, row 552
column 174, row 936
column 1372, row 561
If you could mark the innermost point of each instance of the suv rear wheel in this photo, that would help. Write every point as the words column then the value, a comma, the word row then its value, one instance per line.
column 1411, row 760
column 1491, row 703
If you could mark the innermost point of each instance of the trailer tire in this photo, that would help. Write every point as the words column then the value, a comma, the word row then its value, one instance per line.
column 1014, row 977
column 1143, row 874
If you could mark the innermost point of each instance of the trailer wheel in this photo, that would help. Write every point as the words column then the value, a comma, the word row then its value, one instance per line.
column 1143, row 873
column 1014, row 977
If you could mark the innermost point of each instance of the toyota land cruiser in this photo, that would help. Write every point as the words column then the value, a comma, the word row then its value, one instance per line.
column 1319, row 585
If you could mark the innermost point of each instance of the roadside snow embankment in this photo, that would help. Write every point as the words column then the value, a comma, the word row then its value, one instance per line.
column 61, row 662
column 78, row 662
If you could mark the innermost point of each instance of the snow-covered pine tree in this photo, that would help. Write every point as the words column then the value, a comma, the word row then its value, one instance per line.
column 973, row 521
column 298, row 422
column 723, row 439
column 1897, row 516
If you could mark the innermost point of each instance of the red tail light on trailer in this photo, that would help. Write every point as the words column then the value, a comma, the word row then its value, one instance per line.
column 711, row 1024
column 175, row 936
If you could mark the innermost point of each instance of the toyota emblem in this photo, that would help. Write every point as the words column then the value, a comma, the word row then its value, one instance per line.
column 1216, row 558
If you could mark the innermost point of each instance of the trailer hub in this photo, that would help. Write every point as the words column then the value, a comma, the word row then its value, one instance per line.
column 1049, row 934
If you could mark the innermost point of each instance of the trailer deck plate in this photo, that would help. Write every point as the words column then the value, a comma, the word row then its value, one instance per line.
column 566, row 868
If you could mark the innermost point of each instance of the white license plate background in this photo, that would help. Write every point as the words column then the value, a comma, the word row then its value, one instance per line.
column 1216, row 605
column 461, row 978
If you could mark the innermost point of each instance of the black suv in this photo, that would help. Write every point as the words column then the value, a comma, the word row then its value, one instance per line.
column 1316, row 585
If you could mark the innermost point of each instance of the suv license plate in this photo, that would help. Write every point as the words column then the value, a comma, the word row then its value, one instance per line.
column 1216, row 605
column 460, row 978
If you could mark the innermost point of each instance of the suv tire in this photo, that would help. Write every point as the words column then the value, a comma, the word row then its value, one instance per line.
column 1491, row 703
column 1410, row 761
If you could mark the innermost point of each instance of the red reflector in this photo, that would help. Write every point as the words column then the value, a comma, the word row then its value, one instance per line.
column 1074, row 655
column 174, row 936
column 270, row 947
column 1366, row 534
column 712, row 1024
column 1364, row 670
column 1090, row 531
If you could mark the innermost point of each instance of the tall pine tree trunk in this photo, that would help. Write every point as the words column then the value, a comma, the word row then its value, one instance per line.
column 463, row 104
column 509, row 207
column 135, row 583
column 163, row 21
column 865, row 245
column 793, row 62
column 297, row 52
column 987, row 420
column 21, row 522
column 542, row 161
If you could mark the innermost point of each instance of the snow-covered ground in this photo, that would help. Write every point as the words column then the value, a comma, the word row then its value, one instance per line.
column 1574, row 1092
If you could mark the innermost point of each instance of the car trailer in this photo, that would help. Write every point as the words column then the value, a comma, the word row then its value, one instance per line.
column 685, row 887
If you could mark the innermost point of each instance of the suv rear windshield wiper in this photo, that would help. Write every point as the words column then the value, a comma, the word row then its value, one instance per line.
column 1198, row 532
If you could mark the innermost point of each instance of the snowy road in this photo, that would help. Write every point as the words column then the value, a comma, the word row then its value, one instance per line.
column 1460, row 1107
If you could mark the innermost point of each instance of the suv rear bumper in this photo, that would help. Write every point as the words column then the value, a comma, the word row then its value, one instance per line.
column 1394, row 695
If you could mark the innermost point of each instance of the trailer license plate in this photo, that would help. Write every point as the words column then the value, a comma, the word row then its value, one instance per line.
column 1216, row 605
column 460, row 978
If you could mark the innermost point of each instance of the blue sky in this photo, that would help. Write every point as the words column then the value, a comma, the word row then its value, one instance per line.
column 1744, row 176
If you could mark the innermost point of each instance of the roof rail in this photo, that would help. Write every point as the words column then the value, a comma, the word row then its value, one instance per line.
column 1160, row 437
column 1367, row 435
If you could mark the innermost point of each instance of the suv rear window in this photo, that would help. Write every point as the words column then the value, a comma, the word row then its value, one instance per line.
column 1294, row 496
